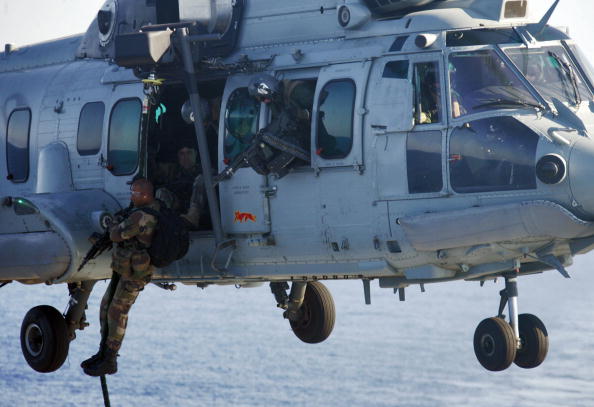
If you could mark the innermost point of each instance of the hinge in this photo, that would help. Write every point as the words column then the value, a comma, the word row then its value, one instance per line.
column 270, row 192
column 360, row 168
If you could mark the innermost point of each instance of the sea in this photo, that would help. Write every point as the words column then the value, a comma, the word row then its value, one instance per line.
column 223, row 346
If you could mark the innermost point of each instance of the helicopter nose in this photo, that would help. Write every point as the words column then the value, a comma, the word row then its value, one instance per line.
column 581, row 176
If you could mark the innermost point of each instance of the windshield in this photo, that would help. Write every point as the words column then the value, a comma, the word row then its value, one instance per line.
column 584, row 62
column 481, row 81
column 551, row 72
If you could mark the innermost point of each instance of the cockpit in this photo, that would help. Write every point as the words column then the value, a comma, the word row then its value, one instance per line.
column 490, row 83
column 497, row 69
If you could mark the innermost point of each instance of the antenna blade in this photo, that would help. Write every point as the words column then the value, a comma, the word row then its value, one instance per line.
column 545, row 19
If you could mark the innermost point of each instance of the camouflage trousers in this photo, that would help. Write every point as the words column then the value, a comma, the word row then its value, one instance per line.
column 128, row 280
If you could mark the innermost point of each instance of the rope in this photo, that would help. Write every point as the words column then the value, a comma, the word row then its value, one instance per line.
column 105, row 392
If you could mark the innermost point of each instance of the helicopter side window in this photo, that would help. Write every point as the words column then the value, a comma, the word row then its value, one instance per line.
column 335, row 119
column 481, row 81
column 427, row 93
column 494, row 154
column 90, row 127
column 241, row 122
column 124, row 131
column 17, row 145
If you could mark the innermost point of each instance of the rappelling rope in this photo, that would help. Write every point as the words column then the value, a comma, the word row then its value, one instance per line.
column 105, row 392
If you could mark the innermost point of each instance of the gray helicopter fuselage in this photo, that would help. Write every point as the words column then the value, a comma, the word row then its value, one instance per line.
column 407, row 197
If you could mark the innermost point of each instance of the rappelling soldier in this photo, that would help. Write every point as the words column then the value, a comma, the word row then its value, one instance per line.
column 132, row 270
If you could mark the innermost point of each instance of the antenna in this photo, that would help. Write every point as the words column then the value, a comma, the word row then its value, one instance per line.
column 545, row 19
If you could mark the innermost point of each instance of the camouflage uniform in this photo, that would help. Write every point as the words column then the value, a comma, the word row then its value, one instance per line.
column 182, row 190
column 179, row 181
column 131, row 272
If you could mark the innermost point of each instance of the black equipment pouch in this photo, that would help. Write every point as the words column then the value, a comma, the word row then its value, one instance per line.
column 171, row 240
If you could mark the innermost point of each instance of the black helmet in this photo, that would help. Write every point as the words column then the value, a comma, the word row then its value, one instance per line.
column 265, row 88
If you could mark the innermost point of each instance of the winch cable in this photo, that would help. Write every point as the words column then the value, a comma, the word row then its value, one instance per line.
column 105, row 391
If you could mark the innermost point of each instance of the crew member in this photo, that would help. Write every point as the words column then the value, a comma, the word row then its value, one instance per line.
column 131, row 272
column 182, row 185
column 284, row 143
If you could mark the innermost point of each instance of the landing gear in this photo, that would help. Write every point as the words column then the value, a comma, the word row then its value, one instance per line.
column 46, row 333
column 309, row 309
column 495, row 344
column 523, row 341
column 44, row 339
column 534, row 342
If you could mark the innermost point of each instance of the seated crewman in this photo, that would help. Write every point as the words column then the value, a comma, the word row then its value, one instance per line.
column 180, row 185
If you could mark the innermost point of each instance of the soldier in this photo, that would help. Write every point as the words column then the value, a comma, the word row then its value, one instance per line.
column 182, row 185
column 131, row 272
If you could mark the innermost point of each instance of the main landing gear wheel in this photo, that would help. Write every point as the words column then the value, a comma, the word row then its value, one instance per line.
column 495, row 344
column 316, row 316
column 44, row 339
column 534, row 342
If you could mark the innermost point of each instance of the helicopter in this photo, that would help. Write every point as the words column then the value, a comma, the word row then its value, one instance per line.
column 450, row 140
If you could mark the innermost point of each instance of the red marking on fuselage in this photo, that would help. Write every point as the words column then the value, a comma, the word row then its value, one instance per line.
column 244, row 217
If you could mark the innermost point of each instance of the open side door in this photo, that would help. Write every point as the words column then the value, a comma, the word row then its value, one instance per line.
column 244, row 203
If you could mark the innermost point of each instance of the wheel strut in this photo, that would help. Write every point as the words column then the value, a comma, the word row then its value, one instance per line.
column 295, row 301
column 290, row 303
column 509, row 296
column 75, row 314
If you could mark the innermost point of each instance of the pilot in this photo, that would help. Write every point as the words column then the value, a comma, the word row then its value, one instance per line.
column 131, row 272
column 182, row 186
column 284, row 143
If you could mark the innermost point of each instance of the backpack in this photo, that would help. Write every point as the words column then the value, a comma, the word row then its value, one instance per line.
column 171, row 240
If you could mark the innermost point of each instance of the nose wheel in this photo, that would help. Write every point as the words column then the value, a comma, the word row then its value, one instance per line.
column 523, row 341
column 495, row 344
column 534, row 342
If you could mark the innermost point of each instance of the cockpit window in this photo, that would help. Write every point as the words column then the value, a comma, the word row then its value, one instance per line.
column 551, row 71
column 483, row 36
column 494, row 154
column 241, row 122
column 481, row 81
column 585, row 64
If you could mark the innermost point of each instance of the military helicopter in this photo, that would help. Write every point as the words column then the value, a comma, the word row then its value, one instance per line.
column 450, row 140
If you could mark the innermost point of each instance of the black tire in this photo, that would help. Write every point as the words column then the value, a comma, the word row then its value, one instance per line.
column 535, row 342
column 317, row 314
column 44, row 339
column 495, row 344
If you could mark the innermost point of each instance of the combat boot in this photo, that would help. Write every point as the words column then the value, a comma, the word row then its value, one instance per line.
column 106, row 365
column 95, row 358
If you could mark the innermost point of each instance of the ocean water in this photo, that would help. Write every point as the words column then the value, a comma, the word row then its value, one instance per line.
column 227, row 347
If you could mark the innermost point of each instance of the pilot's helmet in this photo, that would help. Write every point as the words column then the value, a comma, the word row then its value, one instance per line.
column 265, row 88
